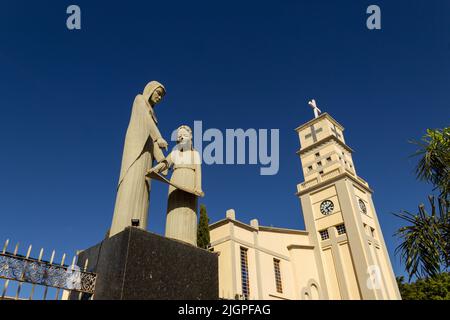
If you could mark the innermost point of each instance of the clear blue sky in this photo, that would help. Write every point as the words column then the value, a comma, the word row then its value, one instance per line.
column 65, row 99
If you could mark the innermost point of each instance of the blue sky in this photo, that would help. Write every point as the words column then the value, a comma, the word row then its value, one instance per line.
column 65, row 99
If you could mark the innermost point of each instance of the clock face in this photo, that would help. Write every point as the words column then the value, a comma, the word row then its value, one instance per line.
column 362, row 206
column 326, row 207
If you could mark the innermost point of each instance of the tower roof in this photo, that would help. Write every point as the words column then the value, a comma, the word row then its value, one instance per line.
column 318, row 119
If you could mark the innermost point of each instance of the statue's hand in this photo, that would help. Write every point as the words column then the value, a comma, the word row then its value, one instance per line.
column 199, row 191
column 156, row 168
column 162, row 143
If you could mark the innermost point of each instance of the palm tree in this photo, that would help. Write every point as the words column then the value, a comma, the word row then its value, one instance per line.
column 425, row 246
column 434, row 165
column 425, row 242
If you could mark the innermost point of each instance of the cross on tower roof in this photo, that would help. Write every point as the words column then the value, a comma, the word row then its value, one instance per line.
column 316, row 109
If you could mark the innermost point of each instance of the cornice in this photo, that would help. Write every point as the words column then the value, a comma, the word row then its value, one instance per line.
column 324, row 140
column 334, row 179
column 319, row 118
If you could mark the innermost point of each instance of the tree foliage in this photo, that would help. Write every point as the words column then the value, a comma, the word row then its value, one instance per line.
column 203, row 238
column 432, row 288
column 425, row 242
column 434, row 162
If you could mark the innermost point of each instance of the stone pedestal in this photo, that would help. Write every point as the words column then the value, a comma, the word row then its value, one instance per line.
column 136, row 265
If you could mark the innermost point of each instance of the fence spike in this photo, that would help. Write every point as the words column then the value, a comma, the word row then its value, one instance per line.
column 73, row 262
column 41, row 253
column 5, row 246
column 29, row 251
column 52, row 257
column 5, row 288
column 16, row 249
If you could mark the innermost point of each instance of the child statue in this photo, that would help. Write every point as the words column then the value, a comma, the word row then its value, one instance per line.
column 181, row 220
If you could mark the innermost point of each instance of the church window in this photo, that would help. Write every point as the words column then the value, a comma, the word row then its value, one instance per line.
column 329, row 159
column 244, row 274
column 310, row 168
column 320, row 172
column 317, row 154
column 341, row 229
column 276, row 266
column 372, row 231
column 319, row 164
column 324, row 235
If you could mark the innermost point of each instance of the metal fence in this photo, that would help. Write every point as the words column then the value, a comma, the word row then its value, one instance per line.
column 23, row 277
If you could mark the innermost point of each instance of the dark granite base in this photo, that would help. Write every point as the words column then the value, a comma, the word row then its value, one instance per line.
column 136, row 264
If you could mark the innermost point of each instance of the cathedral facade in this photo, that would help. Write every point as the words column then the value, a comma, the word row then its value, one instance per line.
column 340, row 255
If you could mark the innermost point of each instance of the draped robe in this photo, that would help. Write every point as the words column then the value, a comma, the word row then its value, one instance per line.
column 140, row 149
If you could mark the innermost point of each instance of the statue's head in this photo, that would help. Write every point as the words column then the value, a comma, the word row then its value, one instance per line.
column 184, row 137
column 154, row 92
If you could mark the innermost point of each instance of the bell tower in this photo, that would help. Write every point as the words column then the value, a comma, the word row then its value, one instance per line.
column 340, row 216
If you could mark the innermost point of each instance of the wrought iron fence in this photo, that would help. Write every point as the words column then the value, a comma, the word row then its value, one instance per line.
column 70, row 280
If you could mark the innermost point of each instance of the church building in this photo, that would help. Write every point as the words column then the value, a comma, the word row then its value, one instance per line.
column 340, row 255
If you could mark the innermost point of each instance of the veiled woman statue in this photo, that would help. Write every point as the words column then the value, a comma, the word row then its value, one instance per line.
column 181, row 220
column 143, row 144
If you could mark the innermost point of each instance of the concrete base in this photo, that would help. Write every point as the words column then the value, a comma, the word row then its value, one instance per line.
column 138, row 265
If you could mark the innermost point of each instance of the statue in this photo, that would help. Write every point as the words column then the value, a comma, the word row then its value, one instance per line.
column 143, row 144
column 181, row 220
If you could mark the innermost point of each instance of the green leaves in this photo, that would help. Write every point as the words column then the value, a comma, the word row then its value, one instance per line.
column 203, row 238
column 425, row 241
column 434, row 162
column 432, row 288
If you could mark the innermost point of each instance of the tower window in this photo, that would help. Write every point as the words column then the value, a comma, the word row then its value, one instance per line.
column 329, row 159
column 317, row 154
column 372, row 232
column 244, row 274
column 362, row 206
column 276, row 266
column 324, row 235
column 310, row 168
column 319, row 164
column 321, row 172
column 341, row 229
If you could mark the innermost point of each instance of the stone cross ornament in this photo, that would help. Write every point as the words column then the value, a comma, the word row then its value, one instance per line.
column 316, row 109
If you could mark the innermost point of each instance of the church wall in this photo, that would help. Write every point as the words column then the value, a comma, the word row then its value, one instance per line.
column 388, row 285
column 219, row 233
column 306, row 275
column 225, row 270
column 330, row 274
column 268, row 283
column 244, row 235
column 278, row 242
column 349, row 272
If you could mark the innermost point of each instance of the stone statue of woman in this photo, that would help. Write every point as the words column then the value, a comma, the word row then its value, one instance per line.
column 143, row 144
column 181, row 220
